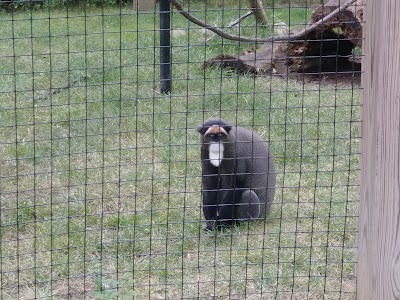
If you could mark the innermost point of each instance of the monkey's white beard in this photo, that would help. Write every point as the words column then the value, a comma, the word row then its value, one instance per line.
column 216, row 153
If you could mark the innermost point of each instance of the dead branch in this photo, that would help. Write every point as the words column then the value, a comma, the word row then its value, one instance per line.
column 240, row 19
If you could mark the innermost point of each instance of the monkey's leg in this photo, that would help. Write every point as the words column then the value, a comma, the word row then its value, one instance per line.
column 249, row 206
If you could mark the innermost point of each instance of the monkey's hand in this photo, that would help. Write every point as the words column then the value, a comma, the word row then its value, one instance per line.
column 210, row 226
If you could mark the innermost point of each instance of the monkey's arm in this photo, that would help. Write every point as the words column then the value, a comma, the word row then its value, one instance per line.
column 228, row 195
column 210, row 198
column 218, row 200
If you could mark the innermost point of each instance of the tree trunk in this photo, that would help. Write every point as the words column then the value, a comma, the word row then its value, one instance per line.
column 259, row 12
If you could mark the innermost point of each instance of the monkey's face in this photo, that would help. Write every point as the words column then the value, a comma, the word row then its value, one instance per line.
column 214, row 138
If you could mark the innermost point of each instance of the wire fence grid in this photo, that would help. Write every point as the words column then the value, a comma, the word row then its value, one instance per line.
column 100, row 175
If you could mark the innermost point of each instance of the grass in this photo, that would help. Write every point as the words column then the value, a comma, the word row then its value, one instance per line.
column 100, row 186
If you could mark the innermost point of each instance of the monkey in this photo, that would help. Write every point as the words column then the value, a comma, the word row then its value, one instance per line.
column 238, row 174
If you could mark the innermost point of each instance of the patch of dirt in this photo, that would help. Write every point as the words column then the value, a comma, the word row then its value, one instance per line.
column 337, row 79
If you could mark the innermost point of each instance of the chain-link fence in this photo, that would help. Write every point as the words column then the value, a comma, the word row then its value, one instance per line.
column 101, row 173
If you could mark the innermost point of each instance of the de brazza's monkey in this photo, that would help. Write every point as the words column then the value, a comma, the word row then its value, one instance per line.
column 238, row 174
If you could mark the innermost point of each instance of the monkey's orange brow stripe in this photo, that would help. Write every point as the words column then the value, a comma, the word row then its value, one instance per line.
column 215, row 129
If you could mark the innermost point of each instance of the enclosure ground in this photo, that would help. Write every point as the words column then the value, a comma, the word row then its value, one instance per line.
column 100, row 173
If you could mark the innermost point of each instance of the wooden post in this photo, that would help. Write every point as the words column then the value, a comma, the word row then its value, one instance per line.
column 378, row 271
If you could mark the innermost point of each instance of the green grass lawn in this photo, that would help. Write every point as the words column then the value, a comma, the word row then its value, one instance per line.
column 100, row 173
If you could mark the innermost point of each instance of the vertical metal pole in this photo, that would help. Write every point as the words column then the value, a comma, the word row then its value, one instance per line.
column 165, row 46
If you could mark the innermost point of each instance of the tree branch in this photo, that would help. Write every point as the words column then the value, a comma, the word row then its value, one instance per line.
column 240, row 19
column 234, row 37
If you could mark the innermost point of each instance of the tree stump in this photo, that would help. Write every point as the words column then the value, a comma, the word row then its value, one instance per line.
column 349, row 20
column 326, row 49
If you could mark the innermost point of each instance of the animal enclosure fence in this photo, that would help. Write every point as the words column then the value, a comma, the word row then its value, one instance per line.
column 100, row 177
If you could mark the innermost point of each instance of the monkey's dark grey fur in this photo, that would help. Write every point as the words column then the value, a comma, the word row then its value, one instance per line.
column 238, row 174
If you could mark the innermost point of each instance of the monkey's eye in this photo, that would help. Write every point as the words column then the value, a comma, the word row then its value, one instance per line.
column 216, row 136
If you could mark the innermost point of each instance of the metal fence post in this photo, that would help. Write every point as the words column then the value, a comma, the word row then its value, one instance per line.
column 165, row 46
